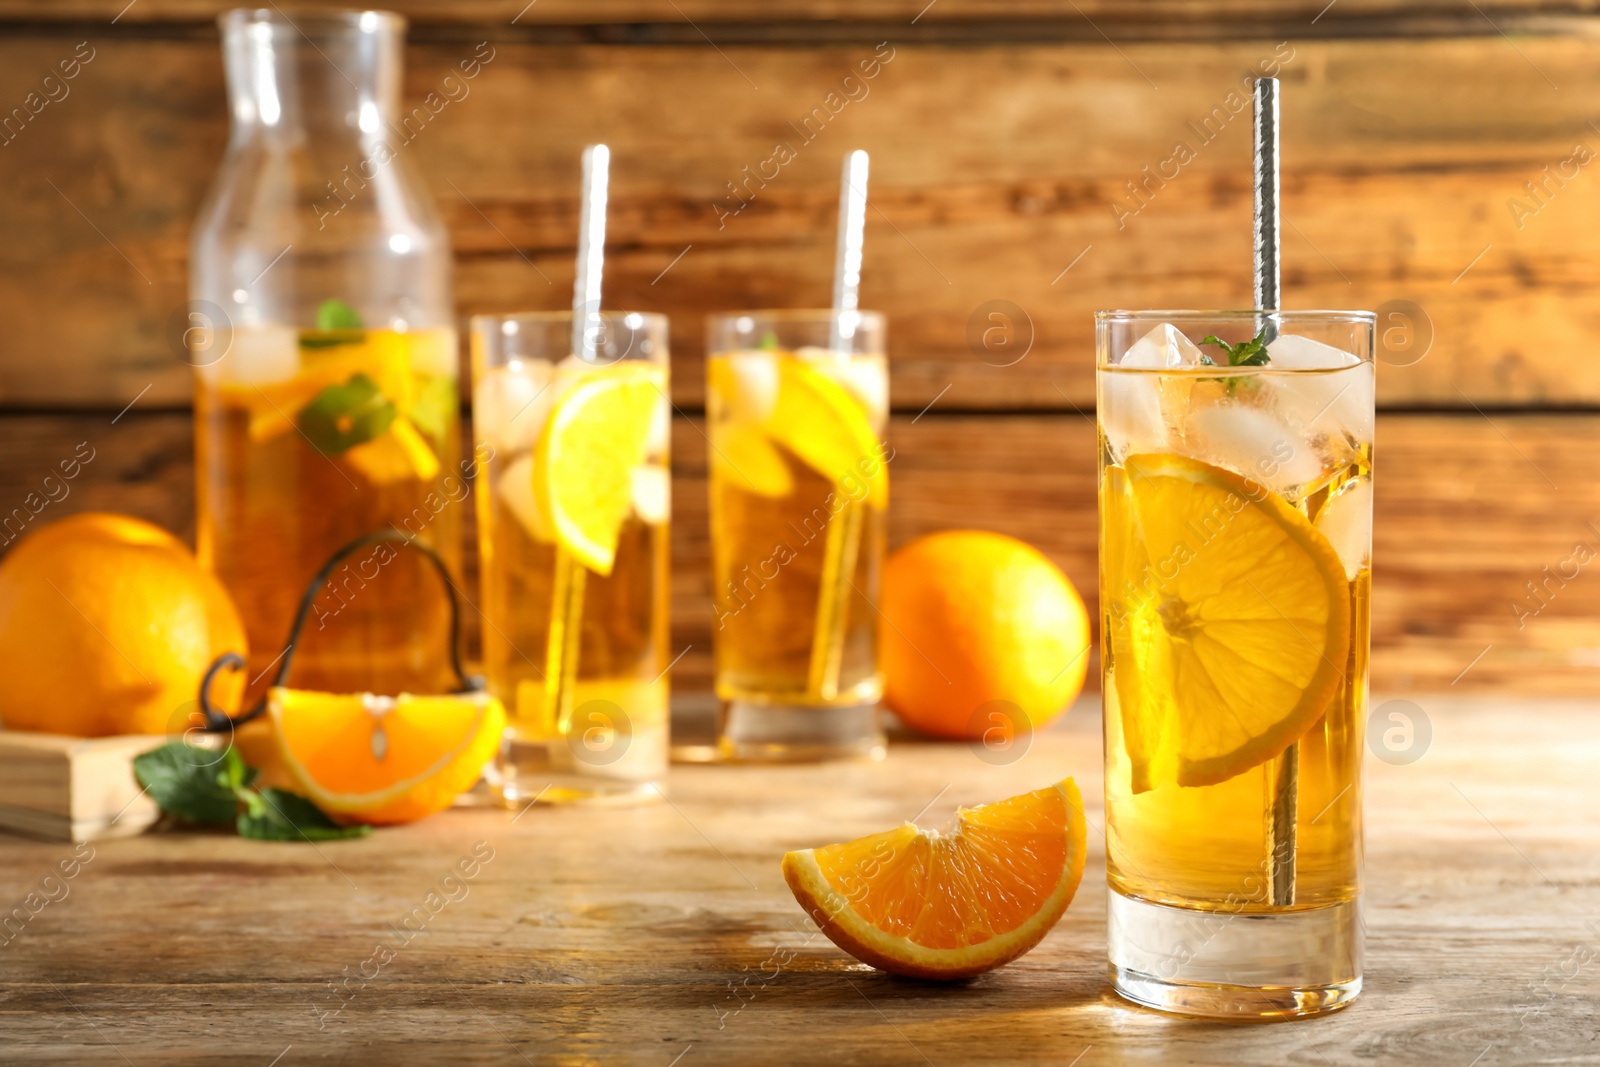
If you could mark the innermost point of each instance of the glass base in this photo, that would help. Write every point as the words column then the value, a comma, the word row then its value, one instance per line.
column 793, row 733
column 1234, row 965
column 545, row 772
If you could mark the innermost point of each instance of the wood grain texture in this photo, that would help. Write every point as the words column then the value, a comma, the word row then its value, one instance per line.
column 1147, row 13
column 995, row 167
column 1469, row 510
column 633, row 936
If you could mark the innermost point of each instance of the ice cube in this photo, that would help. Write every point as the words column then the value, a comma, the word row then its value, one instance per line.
column 509, row 405
column 515, row 487
column 660, row 430
column 865, row 377
column 652, row 493
column 1130, row 413
column 1254, row 442
column 1163, row 348
column 258, row 355
column 1293, row 352
column 1346, row 520
column 755, row 385
column 1336, row 403
column 569, row 372
column 1130, row 403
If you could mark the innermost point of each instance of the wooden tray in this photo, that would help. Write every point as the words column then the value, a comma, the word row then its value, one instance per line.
column 61, row 788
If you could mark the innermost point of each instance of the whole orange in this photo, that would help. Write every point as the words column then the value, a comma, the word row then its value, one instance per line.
column 107, row 624
column 974, row 617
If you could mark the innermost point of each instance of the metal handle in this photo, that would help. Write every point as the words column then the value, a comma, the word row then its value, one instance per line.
column 219, row 721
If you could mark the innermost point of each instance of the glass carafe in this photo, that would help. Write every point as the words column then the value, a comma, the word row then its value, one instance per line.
column 322, row 333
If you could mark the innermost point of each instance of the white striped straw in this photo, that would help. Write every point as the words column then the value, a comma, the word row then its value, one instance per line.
column 847, row 256
column 591, row 251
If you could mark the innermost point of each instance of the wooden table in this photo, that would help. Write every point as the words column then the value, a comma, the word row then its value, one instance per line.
column 651, row 935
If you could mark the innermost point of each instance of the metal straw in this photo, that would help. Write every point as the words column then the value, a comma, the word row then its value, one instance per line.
column 1286, row 784
column 1266, row 187
column 591, row 251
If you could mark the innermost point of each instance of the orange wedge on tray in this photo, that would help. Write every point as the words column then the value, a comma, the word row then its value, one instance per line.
column 381, row 760
column 949, row 905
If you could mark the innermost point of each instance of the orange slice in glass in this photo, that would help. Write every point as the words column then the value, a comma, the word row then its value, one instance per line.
column 930, row 905
column 821, row 422
column 583, row 462
column 380, row 760
column 1227, row 618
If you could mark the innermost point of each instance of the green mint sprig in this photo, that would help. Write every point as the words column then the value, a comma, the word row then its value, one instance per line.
column 215, row 789
column 337, row 324
column 279, row 815
column 436, row 401
column 343, row 416
column 337, row 315
column 1251, row 353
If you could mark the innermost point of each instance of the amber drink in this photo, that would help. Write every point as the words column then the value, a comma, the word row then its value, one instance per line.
column 573, row 503
column 796, row 409
column 321, row 327
column 1235, row 571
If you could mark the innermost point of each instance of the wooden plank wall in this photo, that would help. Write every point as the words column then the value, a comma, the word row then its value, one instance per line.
column 1436, row 168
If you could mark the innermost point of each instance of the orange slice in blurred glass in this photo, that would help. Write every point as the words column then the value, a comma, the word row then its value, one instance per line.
column 820, row 421
column 949, row 905
column 380, row 760
column 597, row 433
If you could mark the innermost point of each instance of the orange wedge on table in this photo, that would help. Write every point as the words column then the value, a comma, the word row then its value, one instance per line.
column 930, row 905
column 380, row 760
column 1227, row 617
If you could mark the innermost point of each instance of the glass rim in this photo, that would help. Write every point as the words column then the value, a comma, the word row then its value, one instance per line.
column 796, row 315
column 332, row 19
column 1364, row 322
column 552, row 317
column 1170, row 314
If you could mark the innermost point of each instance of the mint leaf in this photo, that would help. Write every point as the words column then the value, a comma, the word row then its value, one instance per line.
column 1251, row 353
column 279, row 815
column 1213, row 339
column 192, row 783
column 214, row 788
column 436, row 402
column 343, row 416
column 337, row 324
column 331, row 338
column 769, row 342
column 337, row 315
